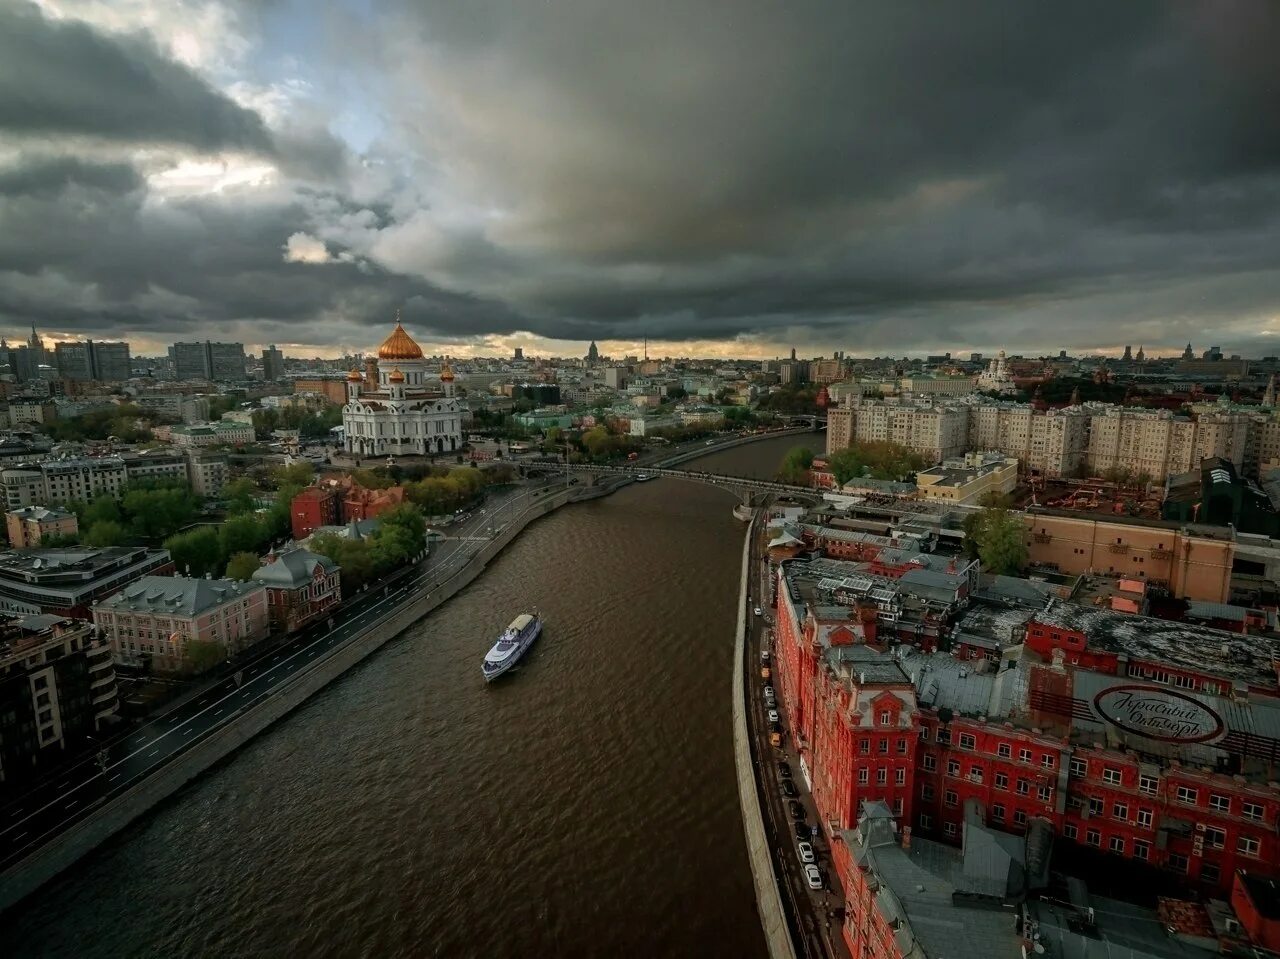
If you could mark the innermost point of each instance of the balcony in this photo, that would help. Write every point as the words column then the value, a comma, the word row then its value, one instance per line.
column 1159, row 553
column 1042, row 537
column 1118, row 547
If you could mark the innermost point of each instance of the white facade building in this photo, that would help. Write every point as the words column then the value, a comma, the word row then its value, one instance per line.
column 394, row 410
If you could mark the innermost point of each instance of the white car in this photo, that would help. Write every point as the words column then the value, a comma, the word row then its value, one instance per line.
column 814, row 875
column 759, row 611
column 805, row 850
column 773, row 716
column 769, row 692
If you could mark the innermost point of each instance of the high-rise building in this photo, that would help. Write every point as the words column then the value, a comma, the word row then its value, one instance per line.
column 519, row 354
column 272, row 364
column 208, row 361
column 90, row 360
column 593, row 354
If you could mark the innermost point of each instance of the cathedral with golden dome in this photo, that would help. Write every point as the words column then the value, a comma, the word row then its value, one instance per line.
column 397, row 408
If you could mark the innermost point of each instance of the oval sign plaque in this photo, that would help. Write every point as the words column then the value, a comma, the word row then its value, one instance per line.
column 1160, row 714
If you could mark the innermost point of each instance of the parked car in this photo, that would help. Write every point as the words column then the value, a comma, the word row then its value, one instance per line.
column 802, row 830
column 764, row 656
column 797, row 811
column 805, row 851
column 789, row 789
column 784, row 769
column 759, row 611
column 814, row 875
column 773, row 716
column 765, row 672
column 770, row 695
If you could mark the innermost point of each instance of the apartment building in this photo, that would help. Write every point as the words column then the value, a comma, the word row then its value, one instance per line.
column 935, row 432
column 1051, row 442
column 154, row 620
column 30, row 525
column 57, row 687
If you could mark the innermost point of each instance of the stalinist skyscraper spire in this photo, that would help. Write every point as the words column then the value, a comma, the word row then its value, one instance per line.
column 36, row 346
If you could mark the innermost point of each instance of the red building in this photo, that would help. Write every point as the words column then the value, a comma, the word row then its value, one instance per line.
column 1127, row 742
column 315, row 506
column 302, row 586
column 359, row 503
column 1256, row 902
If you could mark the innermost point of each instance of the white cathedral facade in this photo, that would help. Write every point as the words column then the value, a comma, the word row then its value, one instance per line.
column 394, row 410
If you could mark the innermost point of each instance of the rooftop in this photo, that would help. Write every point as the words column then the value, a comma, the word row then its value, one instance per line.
column 1251, row 659
column 292, row 568
column 180, row 595
column 41, row 514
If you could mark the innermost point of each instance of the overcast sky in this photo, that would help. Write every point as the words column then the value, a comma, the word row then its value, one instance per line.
column 728, row 178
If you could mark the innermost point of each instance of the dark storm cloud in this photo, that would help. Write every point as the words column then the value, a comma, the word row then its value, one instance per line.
column 62, row 77
column 701, row 170
column 44, row 174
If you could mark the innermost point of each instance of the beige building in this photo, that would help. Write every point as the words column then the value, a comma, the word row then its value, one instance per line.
column 30, row 525
column 221, row 433
column 934, row 432
column 1192, row 562
column 829, row 371
column 937, row 385
column 156, row 618
column 206, row 472
column 967, row 481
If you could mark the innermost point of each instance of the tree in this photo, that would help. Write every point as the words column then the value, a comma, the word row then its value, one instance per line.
column 202, row 655
column 243, row 534
column 242, row 566
column 795, row 465
column 295, row 474
column 106, row 533
column 240, row 494
column 196, row 552
column 998, row 538
column 846, row 464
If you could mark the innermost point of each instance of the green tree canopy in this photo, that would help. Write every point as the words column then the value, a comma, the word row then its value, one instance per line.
column 240, row 494
column 795, row 465
column 196, row 552
column 242, row 566
column 997, row 537
column 106, row 533
column 202, row 656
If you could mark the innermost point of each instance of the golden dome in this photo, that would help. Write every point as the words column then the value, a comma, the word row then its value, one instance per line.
column 354, row 376
column 395, row 376
column 446, row 373
column 399, row 346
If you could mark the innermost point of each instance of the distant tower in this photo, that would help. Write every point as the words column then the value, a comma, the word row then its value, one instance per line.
column 36, row 346
column 593, row 354
column 1141, row 355
column 1128, row 355
column 793, row 351
column 1075, row 396
column 1269, row 397
column 1187, row 354
column 446, row 375
column 519, row 353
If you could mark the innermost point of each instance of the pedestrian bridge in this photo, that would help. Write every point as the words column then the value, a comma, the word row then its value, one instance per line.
column 741, row 486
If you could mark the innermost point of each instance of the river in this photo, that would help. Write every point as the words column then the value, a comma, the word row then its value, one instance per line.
column 585, row 805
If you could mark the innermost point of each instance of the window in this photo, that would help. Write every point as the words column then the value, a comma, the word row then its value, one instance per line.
column 1095, row 806
column 975, row 773
column 924, row 733
column 1070, row 831
column 926, row 821
column 1184, row 682
column 1024, row 787
column 1024, row 755
column 1144, row 818
column 1019, row 817
column 1002, row 781
column 997, row 812
column 926, row 793
column 953, row 767
column 930, row 762
column 1251, row 810
column 1111, row 776
column 1219, row 803
column 864, row 745
column 1003, row 751
column 1045, row 793
column 864, row 776
column 1188, row 795
column 949, row 797
column 1215, row 838
column 882, row 777
column 967, row 741
column 1079, row 768
column 1093, row 837
column 1141, row 850
column 899, row 777
column 1177, row 863
column 1047, row 761
column 1209, row 872
column 886, row 717
column 949, row 829
column 883, row 747
column 1247, row 846
column 902, row 747
column 1116, row 844
column 1149, row 784
column 1120, row 811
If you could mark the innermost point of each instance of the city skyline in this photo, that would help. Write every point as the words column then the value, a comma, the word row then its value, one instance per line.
column 1035, row 180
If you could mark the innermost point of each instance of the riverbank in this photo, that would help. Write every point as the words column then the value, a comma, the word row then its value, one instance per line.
column 25, row 876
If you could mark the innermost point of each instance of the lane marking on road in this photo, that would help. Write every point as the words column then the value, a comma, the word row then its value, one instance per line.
column 114, row 778
column 218, row 713
column 70, row 804
column 187, row 732
column 152, row 753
